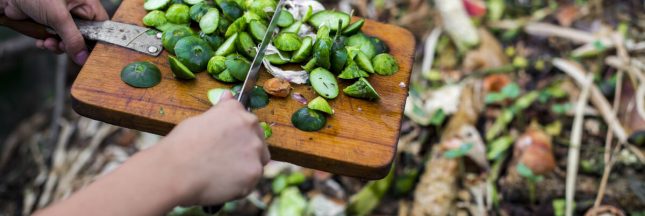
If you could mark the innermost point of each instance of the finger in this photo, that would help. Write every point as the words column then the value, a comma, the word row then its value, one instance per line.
column 226, row 96
column 260, row 131
column 51, row 44
column 74, row 43
column 99, row 11
column 40, row 44
column 13, row 11
column 265, row 154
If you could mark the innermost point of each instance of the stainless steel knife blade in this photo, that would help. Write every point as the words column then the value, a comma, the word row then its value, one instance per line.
column 254, row 71
column 137, row 38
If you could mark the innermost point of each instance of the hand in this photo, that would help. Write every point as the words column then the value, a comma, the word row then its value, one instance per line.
column 220, row 153
column 57, row 14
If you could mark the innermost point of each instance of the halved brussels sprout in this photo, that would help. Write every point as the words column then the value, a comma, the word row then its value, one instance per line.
column 363, row 43
column 237, row 26
column 263, row 8
column 354, row 28
column 230, row 9
column 362, row 89
column 246, row 45
column 194, row 53
column 258, row 29
column 193, row 2
column 141, row 75
column 311, row 65
column 324, row 83
column 215, row 41
column 178, row 14
column 210, row 21
column 250, row 16
column 170, row 37
column 180, row 70
column 198, row 11
column 257, row 99
column 275, row 59
column 285, row 19
column 352, row 71
column 320, row 104
column 287, row 41
column 293, row 28
column 216, row 65
column 228, row 46
column 304, row 51
column 385, row 64
column 155, row 18
column 364, row 62
column 155, row 4
column 330, row 19
column 238, row 66
column 308, row 120
column 225, row 76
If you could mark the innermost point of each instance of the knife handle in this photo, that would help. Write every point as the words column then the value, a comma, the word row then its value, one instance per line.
column 27, row 27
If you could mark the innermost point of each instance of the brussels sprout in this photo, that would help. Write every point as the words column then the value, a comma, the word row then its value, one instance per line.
column 155, row 4
column 250, row 16
column 231, row 9
column 223, row 25
column 155, row 18
column 304, row 51
column 322, row 52
column 170, row 37
column 210, row 21
column 258, row 98
column 246, row 45
column 385, row 64
column 309, row 120
column 330, row 19
column 275, row 59
column 324, row 83
column 379, row 45
column 180, row 70
column 287, row 41
column 178, row 14
column 169, row 26
column 238, row 66
column 198, row 11
column 193, row 2
column 194, row 53
column 285, row 19
column 364, row 63
column 267, row 130
column 363, row 43
column 354, row 28
column 257, row 29
column 141, row 75
column 320, row 104
column 338, row 53
column 263, row 8
column 228, row 46
column 215, row 95
column 293, row 28
column 362, row 89
column 216, row 65
column 237, row 26
column 225, row 76
column 215, row 41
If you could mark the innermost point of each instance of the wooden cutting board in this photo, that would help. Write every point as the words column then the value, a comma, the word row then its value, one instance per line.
column 359, row 140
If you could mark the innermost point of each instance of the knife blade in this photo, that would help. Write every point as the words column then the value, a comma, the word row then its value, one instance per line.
column 254, row 71
column 140, row 39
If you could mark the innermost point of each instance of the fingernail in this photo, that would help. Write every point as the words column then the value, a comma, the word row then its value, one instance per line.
column 81, row 57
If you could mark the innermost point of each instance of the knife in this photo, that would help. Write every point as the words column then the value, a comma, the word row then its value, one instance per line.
column 140, row 39
column 254, row 71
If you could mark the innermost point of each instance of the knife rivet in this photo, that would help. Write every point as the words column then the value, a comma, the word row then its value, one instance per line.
column 159, row 35
column 152, row 49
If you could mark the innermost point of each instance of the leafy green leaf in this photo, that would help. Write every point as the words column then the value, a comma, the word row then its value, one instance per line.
column 494, row 97
column 458, row 152
column 499, row 146
column 526, row 100
column 561, row 108
column 511, row 90
column 524, row 171
column 438, row 118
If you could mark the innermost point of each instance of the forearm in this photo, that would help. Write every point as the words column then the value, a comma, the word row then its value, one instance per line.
column 144, row 185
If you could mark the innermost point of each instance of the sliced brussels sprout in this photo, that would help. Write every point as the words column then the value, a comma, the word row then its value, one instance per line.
column 170, row 37
column 198, row 11
column 216, row 65
column 362, row 89
column 287, row 41
column 320, row 104
column 155, row 4
column 330, row 19
column 324, row 83
column 225, row 76
column 215, row 41
column 238, row 66
column 293, row 28
column 194, row 53
column 141, row 75
column 285, row 19
column 385, row 64
column 210, row 21
column 228, row 46
column 178, row 14
column 155, row 18
column 352, row 71
column 311, row 65
column 246, row 45
column 263, row 8
column 363, row 43
column 304, row 51
column 215, row 95
column 364, row 62
column 354, row 28
column 276, row 59
column 237, row 26
column 180, row 70
column 230, row 9
column 258, row 29
column 308, row 120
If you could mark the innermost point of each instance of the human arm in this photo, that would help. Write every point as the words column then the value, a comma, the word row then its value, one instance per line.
column 57, row 14
column 209, row 159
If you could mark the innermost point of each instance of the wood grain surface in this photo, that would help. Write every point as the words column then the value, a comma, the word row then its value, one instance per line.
column 359, row 140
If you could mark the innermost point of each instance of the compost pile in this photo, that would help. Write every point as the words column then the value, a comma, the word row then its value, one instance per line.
column 515, row 108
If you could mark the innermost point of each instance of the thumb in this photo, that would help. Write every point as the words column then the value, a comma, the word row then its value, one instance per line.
column 71, row 36
column 227, row 95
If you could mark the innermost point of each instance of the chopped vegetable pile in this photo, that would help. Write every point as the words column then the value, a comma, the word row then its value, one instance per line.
column 323, row 41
